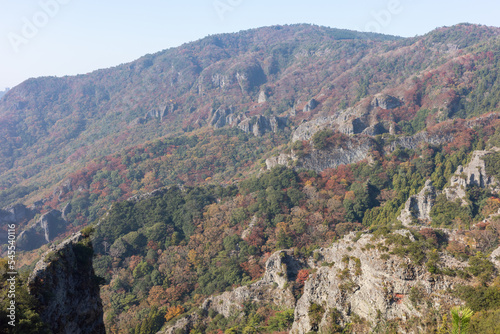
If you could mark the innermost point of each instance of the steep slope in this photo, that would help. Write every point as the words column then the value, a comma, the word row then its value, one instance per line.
column 64, row 285
column 362, row 120
column 351, row 279
column 46, row 120
column 52, row 125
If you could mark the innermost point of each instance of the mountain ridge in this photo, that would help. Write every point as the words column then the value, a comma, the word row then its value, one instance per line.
column 169, row 154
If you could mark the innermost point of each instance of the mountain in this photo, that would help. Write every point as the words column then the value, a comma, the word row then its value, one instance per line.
column 268, row 180
column 2, row 93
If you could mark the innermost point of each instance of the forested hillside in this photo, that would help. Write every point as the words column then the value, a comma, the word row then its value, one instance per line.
column 292, row 168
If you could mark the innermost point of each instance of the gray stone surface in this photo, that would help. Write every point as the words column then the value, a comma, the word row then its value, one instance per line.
column 64, row 283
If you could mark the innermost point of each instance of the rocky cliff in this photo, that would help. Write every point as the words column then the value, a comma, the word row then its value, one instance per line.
column 355, row 120
column 474, row 174
column 354, row 149
column 42, row 231
column 351, row 279
column 14, row 214
column 257, row 125
column 418, row 207
column 67, row 289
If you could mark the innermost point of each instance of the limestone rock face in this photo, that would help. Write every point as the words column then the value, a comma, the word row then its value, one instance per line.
column 306, row 130
column 356, row 280
column 257, row 125
column 262, row 97
column 418, row 207
column 385, row 101
column 66, row 210
column 369, row 285
column 64, row 283
column 280, row 268
column 354, row 120
column 183, row 325
column 42, row 231
column 311, row 105
column 413, row 142
column 474, row 174
column 352, row 151
column 219, row 117
column 283, row 160
column 495, row 257
column 15, row 214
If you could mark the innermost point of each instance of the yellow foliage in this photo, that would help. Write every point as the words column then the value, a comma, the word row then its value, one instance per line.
column 350, row 195
column 193, row 257
column 281, row 226
column 173, row 312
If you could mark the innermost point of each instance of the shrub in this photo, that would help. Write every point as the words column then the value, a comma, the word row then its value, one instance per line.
column 319, row 139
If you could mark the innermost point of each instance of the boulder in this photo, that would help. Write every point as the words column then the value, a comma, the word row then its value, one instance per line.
column 311, row 105
column 385, row 101
column 418, row 207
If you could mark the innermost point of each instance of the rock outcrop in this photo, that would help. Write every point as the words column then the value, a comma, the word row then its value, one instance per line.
column 474, row 174
column 418, row 207
column 66, row 287
column 257, row 125
column 351, row 276
column 354, row 120
column 361, row 282
column 413, row 142
column 385, row 101
column 15, row 214
column 311, row 105
column 353, row 150
column 280, row 268
column 43, row 231
column 495, row 258
column 262, row 97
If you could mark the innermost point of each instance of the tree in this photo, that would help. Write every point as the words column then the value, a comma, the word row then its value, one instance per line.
column 461, row 317
column 173, row 312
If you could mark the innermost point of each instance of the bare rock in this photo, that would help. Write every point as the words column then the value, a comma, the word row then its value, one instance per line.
column 413, row 142
column 262, row 96
column 385, row 101
column 360, row 282
column 418, row 207
column 280, row 268
column 43, row 231
column 495, row 257
column 184, row 325
column 15, row 214
column 311, row 105
column 354, row 149
column 474, row 174
column 282, row 159
column 64, row 284
column 219, row 117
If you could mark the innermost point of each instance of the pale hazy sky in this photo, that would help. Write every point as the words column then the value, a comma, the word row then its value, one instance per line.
column 66, row 37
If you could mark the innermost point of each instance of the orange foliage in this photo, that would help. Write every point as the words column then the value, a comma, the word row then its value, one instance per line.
column 173, row 312
column 157, row 296
column 302, row 276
